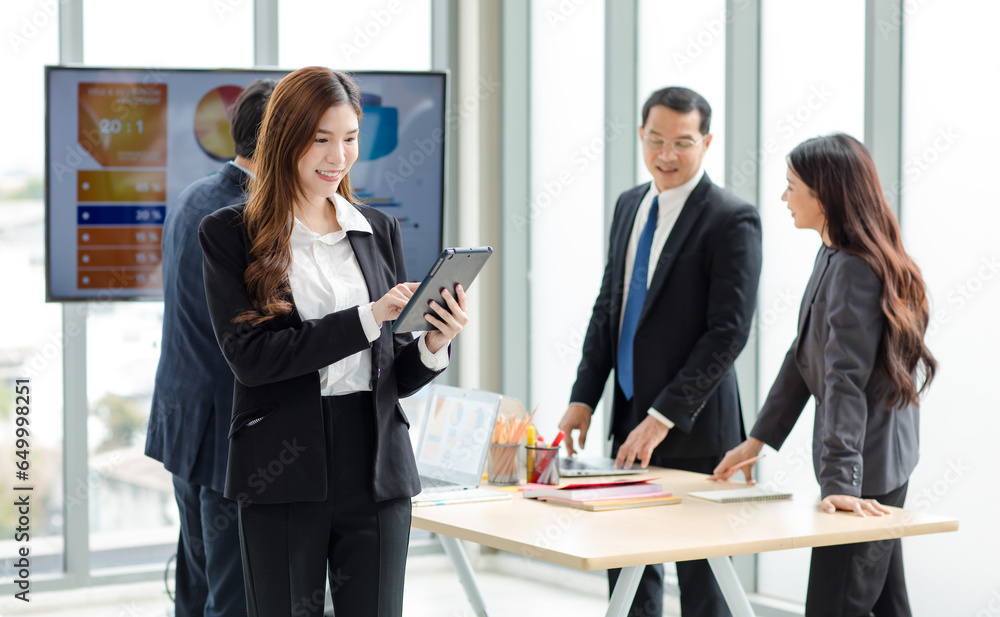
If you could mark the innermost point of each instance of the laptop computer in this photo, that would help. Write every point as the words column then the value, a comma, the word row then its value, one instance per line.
column 454, row 441
column 582, row 466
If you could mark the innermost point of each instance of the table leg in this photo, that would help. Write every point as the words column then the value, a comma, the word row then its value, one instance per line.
column 460, row 561
column 732, row 591
column 624, row 593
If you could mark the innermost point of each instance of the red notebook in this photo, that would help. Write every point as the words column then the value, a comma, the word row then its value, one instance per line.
column 584, row 491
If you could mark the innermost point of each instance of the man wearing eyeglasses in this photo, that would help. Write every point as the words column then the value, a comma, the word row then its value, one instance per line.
column 673, row 313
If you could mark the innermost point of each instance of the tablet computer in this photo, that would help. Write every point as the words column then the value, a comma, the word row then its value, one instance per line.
column 453, row 266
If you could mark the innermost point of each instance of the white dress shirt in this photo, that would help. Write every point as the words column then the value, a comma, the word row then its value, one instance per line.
column 325, row 277
column 670, row 204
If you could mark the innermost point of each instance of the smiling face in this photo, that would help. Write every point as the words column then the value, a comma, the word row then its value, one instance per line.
column 802, row 201
column 330, row 156
column 665, row 130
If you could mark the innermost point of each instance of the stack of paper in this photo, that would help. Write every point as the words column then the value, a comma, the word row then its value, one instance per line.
column 597, row 496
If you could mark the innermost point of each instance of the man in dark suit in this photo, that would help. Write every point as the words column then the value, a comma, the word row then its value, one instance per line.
column 672, row 315
column 193, row 393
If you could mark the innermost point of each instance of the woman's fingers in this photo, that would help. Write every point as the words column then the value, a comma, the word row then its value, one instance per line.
column 452, row 319
column 861, row 507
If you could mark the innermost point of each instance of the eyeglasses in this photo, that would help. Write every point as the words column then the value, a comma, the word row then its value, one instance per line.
column 678, row 145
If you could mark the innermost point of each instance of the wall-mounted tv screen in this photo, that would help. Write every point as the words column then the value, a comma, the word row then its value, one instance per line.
column 122, row 143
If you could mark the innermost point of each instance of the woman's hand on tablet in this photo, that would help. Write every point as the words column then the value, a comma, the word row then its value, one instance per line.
column 449, row 321
column 389, row 306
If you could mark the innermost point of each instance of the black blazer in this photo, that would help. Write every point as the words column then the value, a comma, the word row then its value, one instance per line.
column 860, row 447
column 694, row 322
column 193, row 393
column 277, row 446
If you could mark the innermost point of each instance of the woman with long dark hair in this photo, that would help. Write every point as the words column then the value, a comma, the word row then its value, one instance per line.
column 302, row 284
column 860, row 352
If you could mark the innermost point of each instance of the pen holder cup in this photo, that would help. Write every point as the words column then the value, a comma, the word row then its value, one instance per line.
column 543, row 464
column 501, row 465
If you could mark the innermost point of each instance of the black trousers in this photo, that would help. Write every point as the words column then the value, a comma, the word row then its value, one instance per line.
column 700, row 594
column 209, row 577
column 288, row 549
column 856, row 580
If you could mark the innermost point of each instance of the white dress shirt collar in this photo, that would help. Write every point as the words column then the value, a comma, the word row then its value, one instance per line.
column 348, row 218
column 243, row 169
column 678, row 193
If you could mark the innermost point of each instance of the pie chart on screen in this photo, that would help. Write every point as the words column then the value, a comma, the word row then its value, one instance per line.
column 211, row 122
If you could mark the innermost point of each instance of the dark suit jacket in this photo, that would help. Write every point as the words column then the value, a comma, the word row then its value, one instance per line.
column 694, row 322
column 193, row 394
column 860, row 447
column 277, row 447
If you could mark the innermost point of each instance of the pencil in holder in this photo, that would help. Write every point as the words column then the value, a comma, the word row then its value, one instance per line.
column 501, row 464
column 543, row 464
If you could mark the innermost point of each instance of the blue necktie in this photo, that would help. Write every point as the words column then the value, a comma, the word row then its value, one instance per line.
column 636, row 297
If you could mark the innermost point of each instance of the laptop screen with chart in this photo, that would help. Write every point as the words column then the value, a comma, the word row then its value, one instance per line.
column 455, row 437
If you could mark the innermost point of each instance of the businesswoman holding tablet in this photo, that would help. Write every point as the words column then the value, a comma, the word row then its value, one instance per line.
column 860, row 352
column 302, row 284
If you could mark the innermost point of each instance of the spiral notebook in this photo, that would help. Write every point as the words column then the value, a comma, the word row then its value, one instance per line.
column 736, row 495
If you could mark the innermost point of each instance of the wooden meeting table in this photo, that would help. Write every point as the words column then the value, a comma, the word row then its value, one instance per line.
column 633, row 538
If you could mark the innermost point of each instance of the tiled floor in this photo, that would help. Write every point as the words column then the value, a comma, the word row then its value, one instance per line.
column 509, row 583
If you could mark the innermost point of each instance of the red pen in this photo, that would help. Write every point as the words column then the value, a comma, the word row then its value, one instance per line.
column 558, row 439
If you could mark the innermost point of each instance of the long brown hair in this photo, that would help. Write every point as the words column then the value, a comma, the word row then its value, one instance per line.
column 293, row 113
column 841, row 173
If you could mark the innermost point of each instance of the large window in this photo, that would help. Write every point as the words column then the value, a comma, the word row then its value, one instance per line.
column 31, row 339
column 950, row 221
column 180, row 33
column 132, row 513
column 684, row 44
column 806, row 90
column 566, row 212
column 380, row 35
